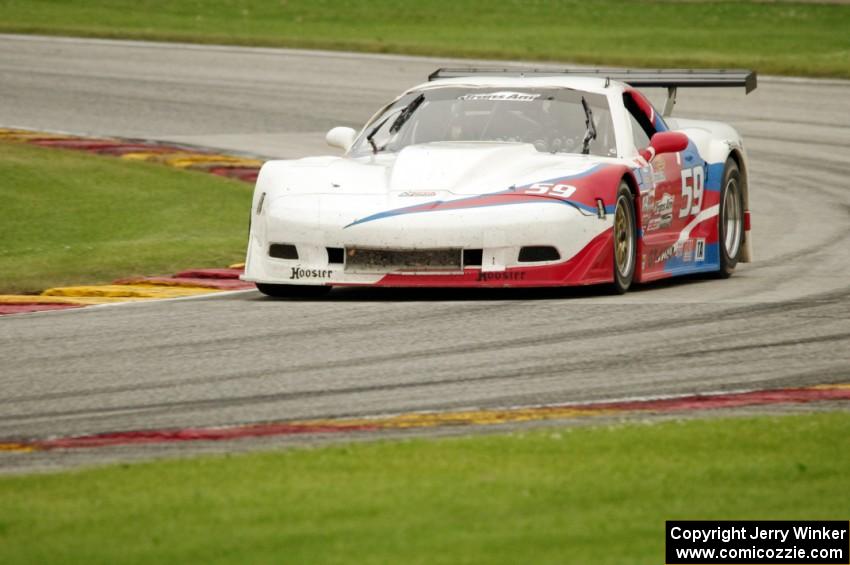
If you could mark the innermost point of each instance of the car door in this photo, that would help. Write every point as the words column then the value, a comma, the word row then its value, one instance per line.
column 666, row 204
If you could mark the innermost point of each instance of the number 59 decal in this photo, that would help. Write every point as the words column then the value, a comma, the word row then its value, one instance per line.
column 693, row 182
column 559, row 190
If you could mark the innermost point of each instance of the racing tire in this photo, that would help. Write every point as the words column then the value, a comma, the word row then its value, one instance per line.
column 730, row 227
column 292, row 290
column 625, row 240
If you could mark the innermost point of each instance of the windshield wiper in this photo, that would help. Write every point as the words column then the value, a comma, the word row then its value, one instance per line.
column 403, row 116
column 373, row 132
column 590, row 133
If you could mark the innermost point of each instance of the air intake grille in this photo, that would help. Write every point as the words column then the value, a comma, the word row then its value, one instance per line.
column 283, row 251
column 534, row 254
column 472, row 257
column 336, row 255
column 402, row 260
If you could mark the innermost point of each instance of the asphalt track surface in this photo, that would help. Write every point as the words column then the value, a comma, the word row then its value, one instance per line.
column 781, row 321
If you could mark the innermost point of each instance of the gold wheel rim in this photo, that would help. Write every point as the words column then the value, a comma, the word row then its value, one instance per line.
column 623, row 238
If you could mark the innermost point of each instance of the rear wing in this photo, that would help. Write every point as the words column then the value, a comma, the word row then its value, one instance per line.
column 671, row 79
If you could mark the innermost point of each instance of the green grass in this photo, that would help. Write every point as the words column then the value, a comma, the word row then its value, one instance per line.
column 773, row 37
column 582, row 495
column 71, row 218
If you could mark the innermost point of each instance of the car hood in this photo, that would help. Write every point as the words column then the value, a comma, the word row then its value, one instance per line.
column 429, row 170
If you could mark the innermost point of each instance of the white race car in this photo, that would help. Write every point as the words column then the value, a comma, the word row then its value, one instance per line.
column 505, row 178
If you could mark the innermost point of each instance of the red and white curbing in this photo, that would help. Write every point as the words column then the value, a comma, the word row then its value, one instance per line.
column 187, row 283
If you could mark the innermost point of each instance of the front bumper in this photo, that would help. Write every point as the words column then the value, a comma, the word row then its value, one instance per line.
column 499, row 232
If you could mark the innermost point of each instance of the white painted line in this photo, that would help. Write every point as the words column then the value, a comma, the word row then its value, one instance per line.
column 84, row 307
column 576, row 404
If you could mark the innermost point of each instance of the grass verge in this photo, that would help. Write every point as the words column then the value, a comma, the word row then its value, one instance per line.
column 72, row 218
column 580, row 495
column 772, row 37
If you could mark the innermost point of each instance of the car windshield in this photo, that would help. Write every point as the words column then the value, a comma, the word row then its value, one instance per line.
column 553, row 120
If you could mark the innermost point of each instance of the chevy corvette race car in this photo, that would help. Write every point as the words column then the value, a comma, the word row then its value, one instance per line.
column 506, row 178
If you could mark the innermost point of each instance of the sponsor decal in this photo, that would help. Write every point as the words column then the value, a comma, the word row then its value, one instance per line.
column 647, row 205
column 659, row 256
column 688, row 251
column 664, row 206
column 500, row 276
column 417, row 193
column 644, row 175
column 661, row 215
column 299, row 273
column 507, row 96
column 658, row 170
column 700, row 250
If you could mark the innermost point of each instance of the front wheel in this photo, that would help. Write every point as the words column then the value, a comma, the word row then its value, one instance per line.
column 731, row 222
column 625, row 240
column 292, row 290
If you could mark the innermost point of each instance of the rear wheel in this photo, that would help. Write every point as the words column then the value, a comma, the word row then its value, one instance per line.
column 731, row 219
column 625, row 240
column 292, row 290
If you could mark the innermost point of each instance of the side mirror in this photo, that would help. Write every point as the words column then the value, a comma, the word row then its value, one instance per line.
column 341, row 137
column 665, row 142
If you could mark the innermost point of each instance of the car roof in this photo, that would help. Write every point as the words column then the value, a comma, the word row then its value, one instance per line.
column 594, row 85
